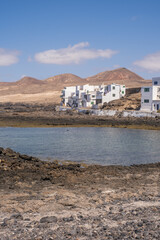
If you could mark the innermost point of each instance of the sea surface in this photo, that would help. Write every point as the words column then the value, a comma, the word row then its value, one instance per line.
column 91, row 145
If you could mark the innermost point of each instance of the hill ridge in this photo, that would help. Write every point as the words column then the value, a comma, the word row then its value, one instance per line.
column 32, row 89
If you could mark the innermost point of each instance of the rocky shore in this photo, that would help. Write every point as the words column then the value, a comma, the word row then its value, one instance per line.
column 41, row 115
column 48, row 200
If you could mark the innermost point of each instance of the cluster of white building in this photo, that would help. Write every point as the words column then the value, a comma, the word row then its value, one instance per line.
column 150, row 96
column 94, row 96
column 90, row 95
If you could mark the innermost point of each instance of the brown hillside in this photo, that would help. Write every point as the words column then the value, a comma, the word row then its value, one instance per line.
column 29, row 89
column 28, row 81
column 28, row 85
column 120, row 76
column 63, row 80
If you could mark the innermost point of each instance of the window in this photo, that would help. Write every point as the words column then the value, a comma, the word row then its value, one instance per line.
column 146, row 89
column 106, row 88
column 122, row 92
column 113, row 87
column 85, row 96
column 93, row 96
column 113, row 95
column 146, row 100
column 155, row 82
column 98, row 101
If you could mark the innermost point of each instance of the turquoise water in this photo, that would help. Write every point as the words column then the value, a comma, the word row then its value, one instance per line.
column 100, row 145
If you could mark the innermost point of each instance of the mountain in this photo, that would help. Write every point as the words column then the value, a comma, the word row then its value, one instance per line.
column 64, row 80
column 119, row 76
column 29, row 89
column 28, row 81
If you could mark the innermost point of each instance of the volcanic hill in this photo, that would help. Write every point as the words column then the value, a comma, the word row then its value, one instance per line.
column 29, row 89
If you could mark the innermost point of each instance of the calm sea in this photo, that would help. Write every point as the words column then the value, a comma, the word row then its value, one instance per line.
column 100, row 145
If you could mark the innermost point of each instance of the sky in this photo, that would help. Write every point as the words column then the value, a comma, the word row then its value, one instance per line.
column 44, row 38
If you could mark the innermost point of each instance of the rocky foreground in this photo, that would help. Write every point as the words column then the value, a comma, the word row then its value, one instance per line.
column 44, row 200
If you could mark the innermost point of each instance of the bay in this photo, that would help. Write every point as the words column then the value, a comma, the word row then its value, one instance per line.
column 91, row 145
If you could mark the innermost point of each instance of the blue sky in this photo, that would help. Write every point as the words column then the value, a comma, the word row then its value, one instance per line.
column 43, row 38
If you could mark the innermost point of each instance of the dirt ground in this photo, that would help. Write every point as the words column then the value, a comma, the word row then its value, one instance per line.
column 44, row 200
column 128, row 102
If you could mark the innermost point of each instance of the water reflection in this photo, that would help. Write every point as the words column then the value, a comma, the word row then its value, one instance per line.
column 91, row 145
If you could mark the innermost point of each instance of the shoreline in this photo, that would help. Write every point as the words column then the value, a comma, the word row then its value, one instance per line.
column 32, row 123
column 27, row 115
column 44, row 200
column 83, row 126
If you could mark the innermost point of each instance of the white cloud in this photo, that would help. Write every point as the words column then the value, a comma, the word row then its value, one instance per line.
column 150, row 62
column 8, row 57
column 72, row 54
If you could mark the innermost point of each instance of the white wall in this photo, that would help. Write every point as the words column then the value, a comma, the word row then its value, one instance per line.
column 122, row 90
column 153, row 96
column 146, row 96
column 114, row 92
column 68, row 92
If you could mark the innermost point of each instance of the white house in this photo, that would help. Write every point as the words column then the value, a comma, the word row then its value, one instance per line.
column 113, row 92
column 90, row 95
column 150, row 96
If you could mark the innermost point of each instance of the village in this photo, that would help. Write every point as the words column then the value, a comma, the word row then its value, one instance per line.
column 92, row 96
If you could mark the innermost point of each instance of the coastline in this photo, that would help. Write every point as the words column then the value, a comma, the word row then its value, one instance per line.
column 143, row 123
column 42, row 200
column 45, row 115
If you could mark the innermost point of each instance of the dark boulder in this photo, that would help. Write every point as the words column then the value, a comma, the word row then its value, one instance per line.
column 49, row 219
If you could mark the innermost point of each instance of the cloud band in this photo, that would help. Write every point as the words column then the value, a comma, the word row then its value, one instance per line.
column 150, row 62
column 72, row 54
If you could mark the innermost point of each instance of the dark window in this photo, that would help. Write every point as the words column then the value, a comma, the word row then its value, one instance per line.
column 113, row 87
column 122, row 92
column 146, row 100
column 98, row 101
column 93, row 96
column 85, row 96
column 155, row 82
column 146, row 89
column 113, row 95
